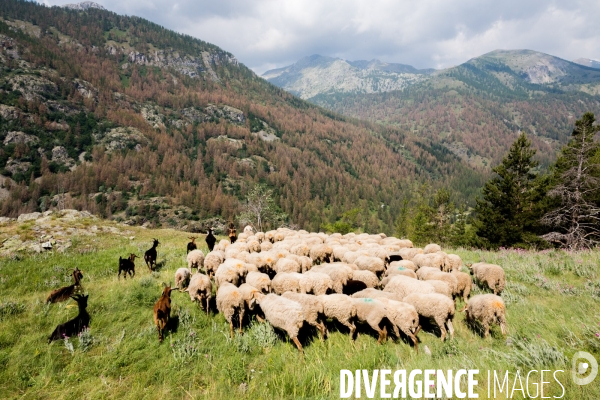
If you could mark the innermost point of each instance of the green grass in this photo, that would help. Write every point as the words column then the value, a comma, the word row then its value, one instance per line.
column 552, row 300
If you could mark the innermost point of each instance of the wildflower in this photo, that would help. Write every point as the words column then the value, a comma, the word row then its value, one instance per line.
column 597, row 334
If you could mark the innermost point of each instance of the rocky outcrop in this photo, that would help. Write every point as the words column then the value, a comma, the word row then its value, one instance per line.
column 14, row 137
column 84, row 5
column 123, row 138
column 61, row 156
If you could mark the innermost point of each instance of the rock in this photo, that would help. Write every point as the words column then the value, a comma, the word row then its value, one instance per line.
column 61, row 156
column 29, row 217
column 19, row 137
column 426, row 350
column 16, row 166
column 5, row 220
column 47, row 245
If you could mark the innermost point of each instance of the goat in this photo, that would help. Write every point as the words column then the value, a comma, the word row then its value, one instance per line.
column 162, row 311
column 127, row 265
column 64, row 293
column 232, row 233
column 210, row 239
column 74, row 326
column 191, row 245
column 150, row 254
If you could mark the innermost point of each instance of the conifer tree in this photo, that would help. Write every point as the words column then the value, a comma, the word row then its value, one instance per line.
column 505, row 213
column 575, row 219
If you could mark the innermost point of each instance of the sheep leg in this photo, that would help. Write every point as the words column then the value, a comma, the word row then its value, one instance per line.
column 414, row 340
column 231, row 329
column 417, row 330
column 382, row 335
column 486, row 328
column 207, row 304
column 242, row 311
column 442, row 328
column 298, row 345
column 450, row 328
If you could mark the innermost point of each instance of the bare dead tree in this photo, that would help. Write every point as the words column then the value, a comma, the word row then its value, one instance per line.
column 576, row 220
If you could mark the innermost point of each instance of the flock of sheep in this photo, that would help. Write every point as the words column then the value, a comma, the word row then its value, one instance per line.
column 290, row 278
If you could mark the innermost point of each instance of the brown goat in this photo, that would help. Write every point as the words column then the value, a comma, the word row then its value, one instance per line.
column 232, row 233
column 150, row 254
column 127, row 265
column 74, row 326
column 162, row 311
column 64, row 293
column 191, row 245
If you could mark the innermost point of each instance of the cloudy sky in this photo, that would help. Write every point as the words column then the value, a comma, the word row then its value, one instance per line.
column 266, row 34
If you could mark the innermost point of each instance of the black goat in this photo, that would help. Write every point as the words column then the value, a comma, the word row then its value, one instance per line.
column 76, row 325
column 150, row 254
column 210, row 239
column 127, row 265
column 64, row 293
column 191, row 245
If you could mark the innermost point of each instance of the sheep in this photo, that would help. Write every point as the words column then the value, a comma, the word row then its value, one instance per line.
column 435, row 260
column 284, row 314
column 429, row 273
column 127, row 265
column 403, row 316
column 232, row 233
column 490, row 274
column 441, row 287
column 436, row 306
column 253, row 246
column 162, row 312
column 250, row 294
column 232, row 271
column 304, row 262
column 265, row 245
column 432, row 248
column 406, row 272
column 408, row 253
column 192, row 244
column 259, row 280
column 286, row 282
column 286, row 265
column 150, row 254
column 212, row 261
column 312, row 309
column 195, row 259
column 367, row 277
column 341, row 308
column 373, row 264
column 200, row 289
column 375, row 294
column 487, row 309
column 248, row 229
column 353, row 286
column 464, row 284
column 65, row 292
column 260, row 236
column 338, row 272
column 402, row 286
column 74, row 326
column 399, row 270
column 321, row 253
column 454, row 263
column 372, row 312
column 408, row 264
column 300, row 249
column 182, row 278
column 222, row 245
column 230, row 303
column 210, row 239
column 316, row 283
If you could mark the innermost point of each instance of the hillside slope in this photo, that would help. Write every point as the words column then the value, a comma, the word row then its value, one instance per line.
column 123, row 118
column 477, row 109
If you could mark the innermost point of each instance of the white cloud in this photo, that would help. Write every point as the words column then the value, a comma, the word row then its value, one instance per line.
column 429, row 33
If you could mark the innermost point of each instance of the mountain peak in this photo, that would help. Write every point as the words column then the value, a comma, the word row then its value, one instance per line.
column 84, row 5
column 587, row 62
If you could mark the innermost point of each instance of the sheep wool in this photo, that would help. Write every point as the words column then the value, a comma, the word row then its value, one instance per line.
column 402, row 286
column 491, row 275
column 464, row 284
column 230, row 303
column 200, row 289
column 182, row 278
column 259, row 280
column 195, row 259
column 487, row 309
column 435, row 306
column 372, row 312
column 312, row 309
column 284, row 314
column 367, row 277
column 341, row 308
column 286, row 282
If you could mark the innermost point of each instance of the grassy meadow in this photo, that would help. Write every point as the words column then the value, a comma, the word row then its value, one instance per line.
column 552, row 300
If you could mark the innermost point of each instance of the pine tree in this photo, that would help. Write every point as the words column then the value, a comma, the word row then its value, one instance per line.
column 505, row 214
column 575, row 219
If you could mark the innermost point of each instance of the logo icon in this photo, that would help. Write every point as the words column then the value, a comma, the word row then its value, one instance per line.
column 581, row 368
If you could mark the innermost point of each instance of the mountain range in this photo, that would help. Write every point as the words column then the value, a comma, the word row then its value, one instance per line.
column 475, row 110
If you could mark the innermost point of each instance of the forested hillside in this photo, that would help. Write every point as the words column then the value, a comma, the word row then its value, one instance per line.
column 121, row 117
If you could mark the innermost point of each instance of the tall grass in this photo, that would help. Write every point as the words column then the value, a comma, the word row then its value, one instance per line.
column 552, row 302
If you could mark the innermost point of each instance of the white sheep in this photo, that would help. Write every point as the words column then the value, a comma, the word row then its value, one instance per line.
column 284, row 314
column 341, row 308
column 372, row 312
column 464, row 284
column 487, row 309
column 182, row 278
column 403, row 316
column 408, row 264
column 321, row 253
column 368, row 263
column 230, row 303
column 316, row 283
column 402, row 286
column 339, row 273
column 195, row 259
column 430, row 273
column 367, row 277
column 432, row 248
column 490, row 274
column 259, row 280
column 375, row 294
column 200, row 289
column 286, row 282
column 436, row 306
column 212, row 261
column 233, row 271
column 312, row 308
column 408, row 253
column 455, row 263
column 287, row 265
